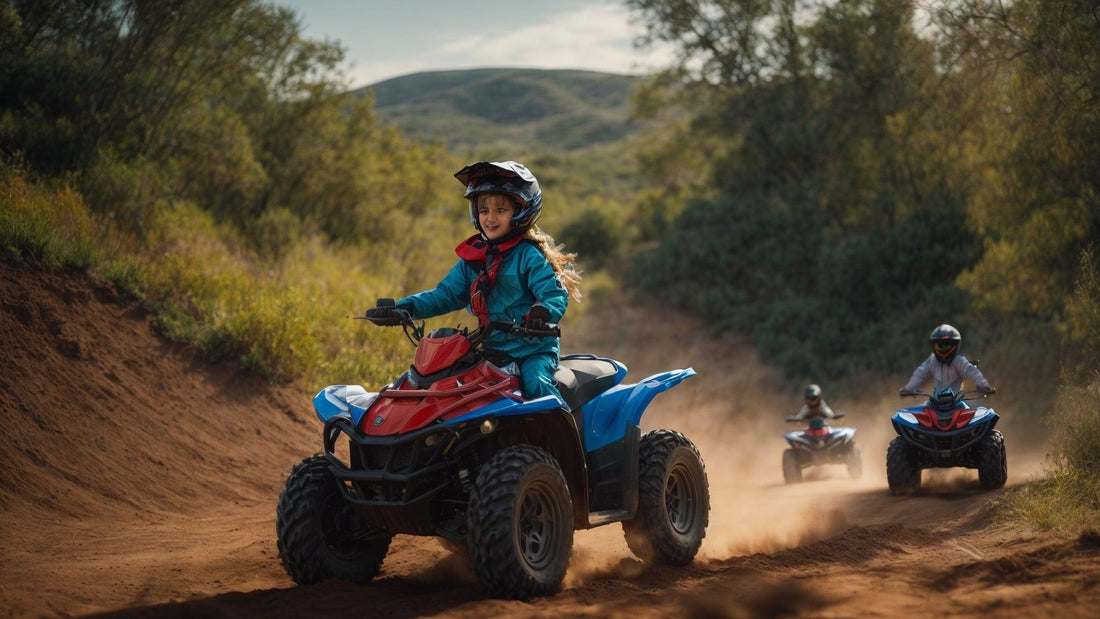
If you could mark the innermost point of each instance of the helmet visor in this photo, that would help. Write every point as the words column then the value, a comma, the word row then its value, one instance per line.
column 944, row 348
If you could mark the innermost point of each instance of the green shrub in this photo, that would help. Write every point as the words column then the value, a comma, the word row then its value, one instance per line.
column 820, row 300
column 1064, row 503
column 45, row 223
column 284, row 319
column 1076, row 423
column 594, row 237
column 1068, row 499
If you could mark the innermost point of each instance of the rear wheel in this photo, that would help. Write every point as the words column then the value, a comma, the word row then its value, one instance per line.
column 992, row 461
column 792, row 467
column 521, row 523
column 319, row 535
column 673, row 500
column 854, row 460
column 902, row 467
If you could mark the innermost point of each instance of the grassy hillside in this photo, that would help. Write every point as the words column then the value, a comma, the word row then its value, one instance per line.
column 509, row 111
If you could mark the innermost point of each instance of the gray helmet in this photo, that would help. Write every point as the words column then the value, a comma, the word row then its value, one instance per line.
column 945, row 342
column 813, row 391
column 507, row 177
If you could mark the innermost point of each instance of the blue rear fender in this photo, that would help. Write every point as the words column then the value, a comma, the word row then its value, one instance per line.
column 608, row 416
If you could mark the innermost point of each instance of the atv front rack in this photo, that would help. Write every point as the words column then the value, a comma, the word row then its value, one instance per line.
column 392, row 480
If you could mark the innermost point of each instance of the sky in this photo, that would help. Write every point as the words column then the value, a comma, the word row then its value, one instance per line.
column 389, row 38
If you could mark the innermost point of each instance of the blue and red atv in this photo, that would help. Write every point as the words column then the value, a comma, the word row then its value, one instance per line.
column 944, row 432
column 451, row 449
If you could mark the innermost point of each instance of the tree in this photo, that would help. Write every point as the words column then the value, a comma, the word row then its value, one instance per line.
column 1040, row 211
column 842, row 223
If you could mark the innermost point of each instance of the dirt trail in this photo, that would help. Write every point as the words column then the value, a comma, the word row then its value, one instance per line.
column 137, row 480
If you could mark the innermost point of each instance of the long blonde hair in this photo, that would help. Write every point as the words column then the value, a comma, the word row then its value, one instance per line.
column 562, row 262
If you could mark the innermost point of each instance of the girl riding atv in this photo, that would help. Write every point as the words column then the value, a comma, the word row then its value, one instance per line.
column 510, row 271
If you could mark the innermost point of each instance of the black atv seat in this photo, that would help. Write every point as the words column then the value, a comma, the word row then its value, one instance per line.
column 583, row 377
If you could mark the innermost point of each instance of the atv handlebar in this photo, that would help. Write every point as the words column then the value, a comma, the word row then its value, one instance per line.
column 961, row 395
column 794, row 420
column 513, row 328
column 517, row 328
column 393, row 316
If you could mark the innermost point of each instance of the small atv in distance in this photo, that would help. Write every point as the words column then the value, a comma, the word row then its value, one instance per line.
column 818, row 445
column 945, row 432
column 452, row 449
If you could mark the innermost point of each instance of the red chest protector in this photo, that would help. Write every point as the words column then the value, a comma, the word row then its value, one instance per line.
column 484, row 257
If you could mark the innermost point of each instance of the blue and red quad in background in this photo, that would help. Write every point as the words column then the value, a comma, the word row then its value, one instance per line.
column 818, row 445
column 945, row 431
column 451, row 449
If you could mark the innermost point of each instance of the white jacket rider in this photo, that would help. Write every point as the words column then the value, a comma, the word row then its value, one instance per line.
column 945, row 366
column 814, row 406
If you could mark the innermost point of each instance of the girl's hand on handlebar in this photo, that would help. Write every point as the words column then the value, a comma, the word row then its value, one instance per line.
column 536, row 318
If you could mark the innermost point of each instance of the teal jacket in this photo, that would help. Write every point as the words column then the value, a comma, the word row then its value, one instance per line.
column 524, row 279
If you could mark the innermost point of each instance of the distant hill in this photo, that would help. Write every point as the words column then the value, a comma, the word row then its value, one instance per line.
column 506, row 110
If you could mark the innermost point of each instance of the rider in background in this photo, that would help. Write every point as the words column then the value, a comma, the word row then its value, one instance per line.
column 945, row 366
column 815, row 406
column 510, row 271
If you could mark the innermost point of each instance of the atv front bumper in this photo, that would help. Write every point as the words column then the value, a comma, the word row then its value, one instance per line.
column 394, row 481
column 950, row 448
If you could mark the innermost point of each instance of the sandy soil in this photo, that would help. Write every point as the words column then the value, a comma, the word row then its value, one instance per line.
column 138, row 480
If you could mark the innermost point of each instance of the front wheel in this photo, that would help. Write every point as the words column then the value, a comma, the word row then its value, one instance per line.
column 673, row 500
column 902, row 467
column 854, row 460
column 792, row 467
column 319, row 535
column 521, row 523
column 992, row 461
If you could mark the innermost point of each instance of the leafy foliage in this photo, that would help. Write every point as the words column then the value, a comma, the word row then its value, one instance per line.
column 843, row 227
column 1041, row 207
column 216, row 149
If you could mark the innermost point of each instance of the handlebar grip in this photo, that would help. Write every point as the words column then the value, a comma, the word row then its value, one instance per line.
column 395, row 321
column 396, row 318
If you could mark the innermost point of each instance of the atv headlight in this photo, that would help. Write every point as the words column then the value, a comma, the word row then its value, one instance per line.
column 488, row 426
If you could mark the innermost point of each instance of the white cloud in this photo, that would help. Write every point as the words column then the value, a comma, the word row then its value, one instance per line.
column 598, row 38
column 595, row 37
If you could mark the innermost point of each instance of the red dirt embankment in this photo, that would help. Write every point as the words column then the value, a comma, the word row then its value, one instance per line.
column 138, row 480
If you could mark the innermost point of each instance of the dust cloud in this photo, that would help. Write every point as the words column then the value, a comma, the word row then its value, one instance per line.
column 734, row 411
